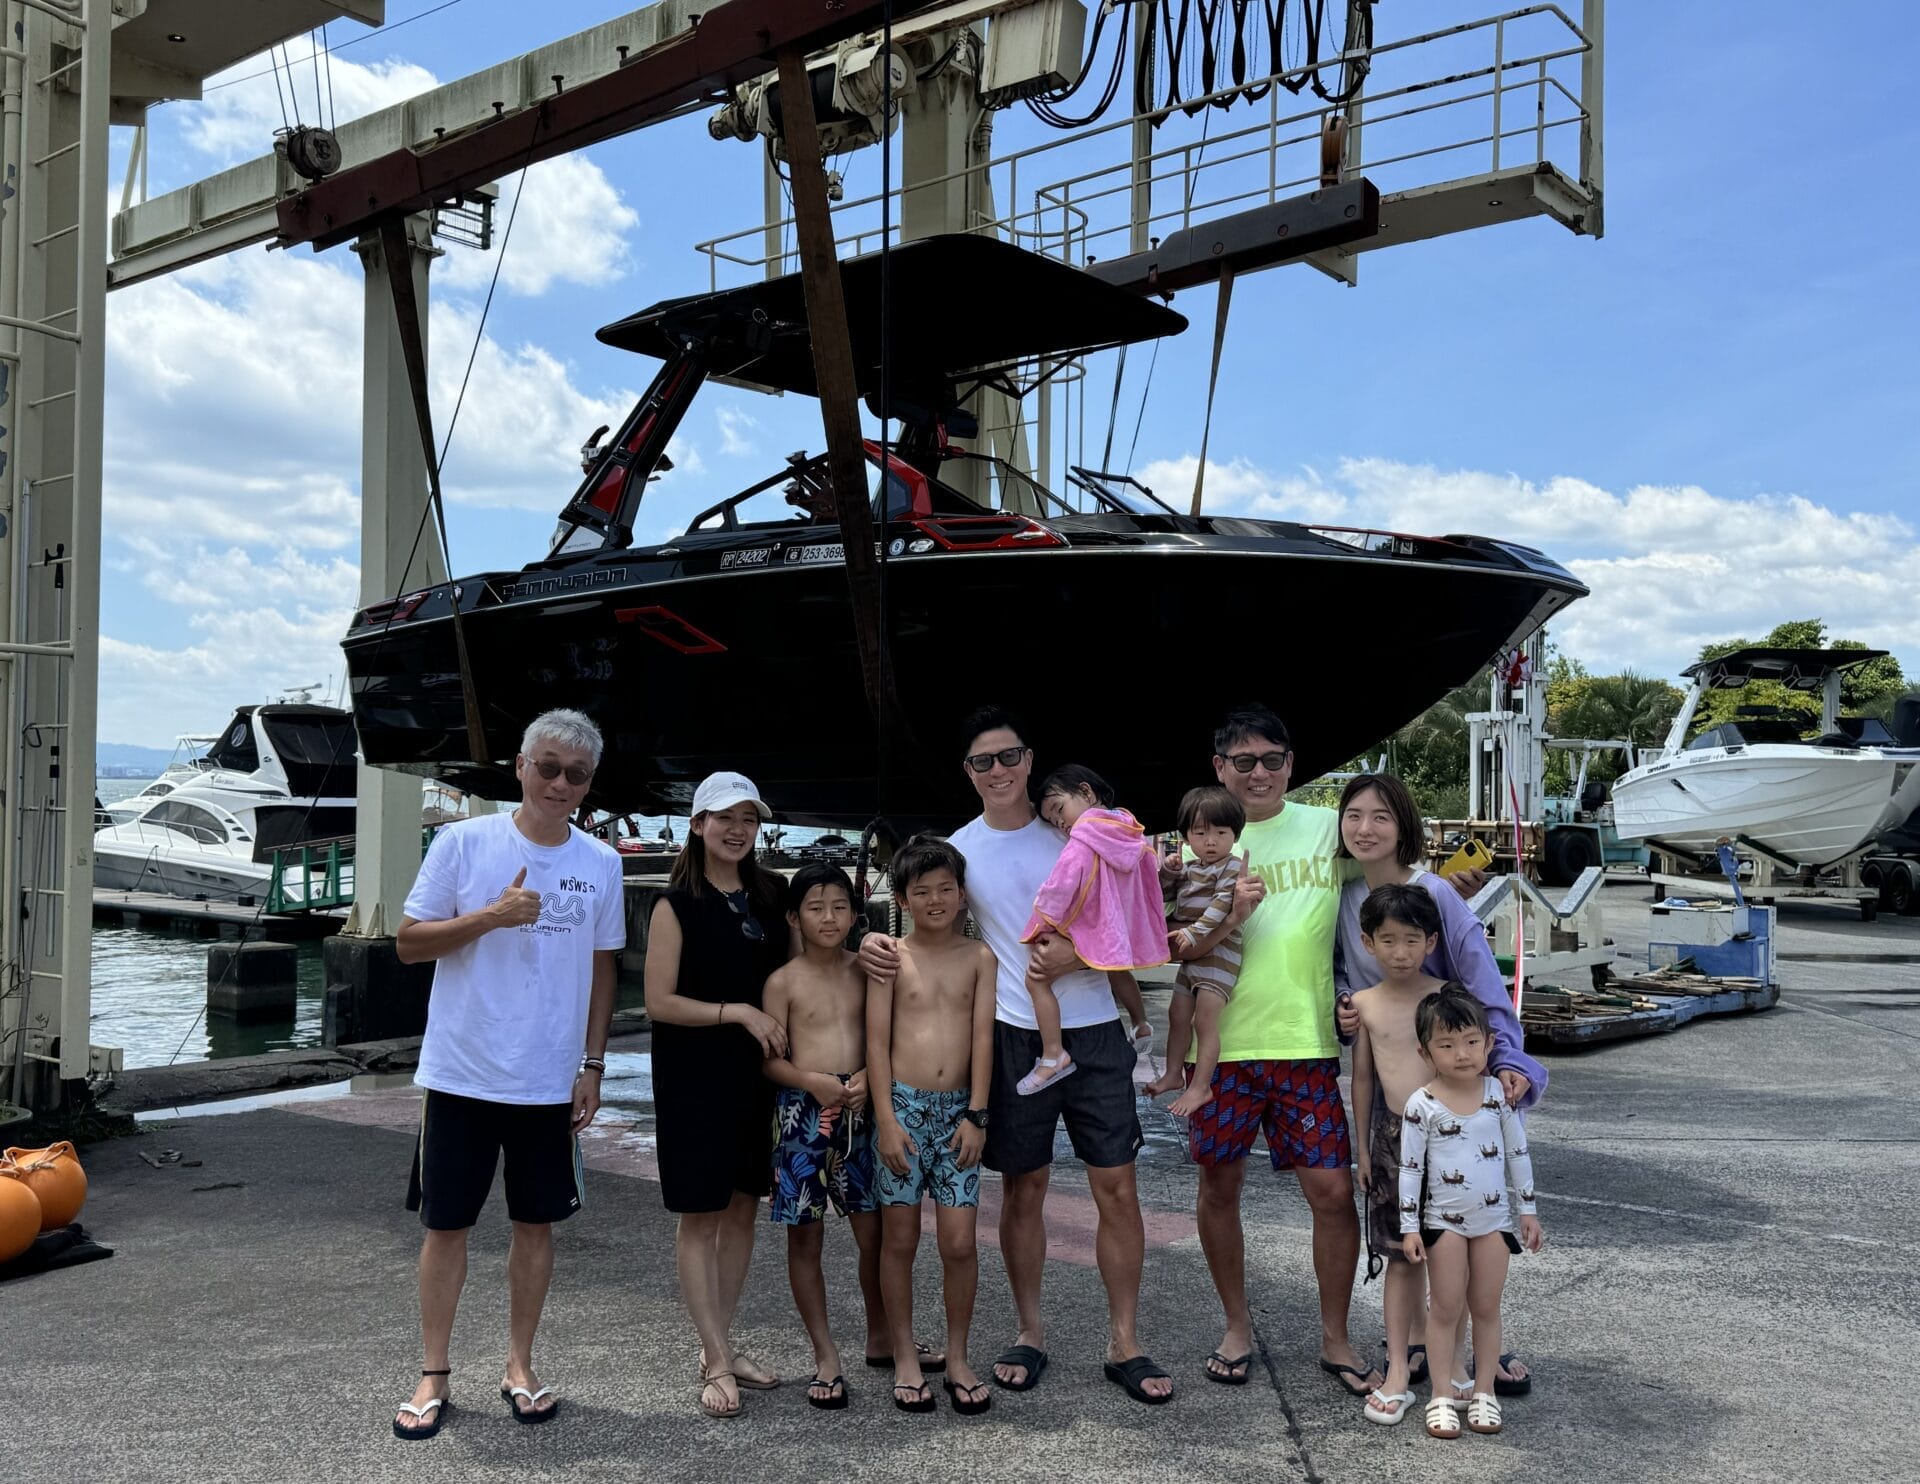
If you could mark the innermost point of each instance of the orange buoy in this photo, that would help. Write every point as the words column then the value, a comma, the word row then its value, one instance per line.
column 19, row 1212
column 54, row 1175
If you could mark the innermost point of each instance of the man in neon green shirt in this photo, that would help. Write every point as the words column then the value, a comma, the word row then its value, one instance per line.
column 1279, row 1065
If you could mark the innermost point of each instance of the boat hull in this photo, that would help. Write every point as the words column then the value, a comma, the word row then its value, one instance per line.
column 1809, row 805
column 1120, row 651
column 179, row 872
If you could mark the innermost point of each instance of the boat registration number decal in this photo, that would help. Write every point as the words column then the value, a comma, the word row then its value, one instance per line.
column 758, row 557
column 835, row 553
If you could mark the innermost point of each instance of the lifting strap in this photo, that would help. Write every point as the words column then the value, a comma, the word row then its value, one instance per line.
column 398, row 252
column 1213, row 380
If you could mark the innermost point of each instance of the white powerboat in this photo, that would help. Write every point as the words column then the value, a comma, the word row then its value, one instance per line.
column 1755, row 781
column 277, row 775
column 188, row 762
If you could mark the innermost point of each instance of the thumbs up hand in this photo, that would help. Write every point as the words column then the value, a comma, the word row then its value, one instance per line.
column 516, row 906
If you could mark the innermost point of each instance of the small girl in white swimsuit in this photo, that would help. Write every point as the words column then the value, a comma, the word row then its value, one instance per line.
column 1466, row 1186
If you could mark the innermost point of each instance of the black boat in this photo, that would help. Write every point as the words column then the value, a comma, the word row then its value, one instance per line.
column 1119, row 630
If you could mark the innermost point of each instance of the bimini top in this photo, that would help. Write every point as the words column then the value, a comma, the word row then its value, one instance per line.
column 961, row 304
column 1797, row 669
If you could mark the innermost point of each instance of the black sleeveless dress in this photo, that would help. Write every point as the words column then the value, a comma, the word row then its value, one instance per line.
column 712, row 1102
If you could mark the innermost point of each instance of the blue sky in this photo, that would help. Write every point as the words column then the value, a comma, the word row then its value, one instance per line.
column 1710, row 413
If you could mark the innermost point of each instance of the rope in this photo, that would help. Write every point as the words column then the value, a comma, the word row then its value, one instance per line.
column 883, row 753
column 1213, row 381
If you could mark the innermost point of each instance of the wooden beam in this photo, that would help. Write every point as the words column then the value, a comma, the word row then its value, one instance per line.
column 833, row 371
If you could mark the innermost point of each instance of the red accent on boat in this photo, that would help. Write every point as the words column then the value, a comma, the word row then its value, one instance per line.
column 987, row 532
column 670, row 629
column 399, row 610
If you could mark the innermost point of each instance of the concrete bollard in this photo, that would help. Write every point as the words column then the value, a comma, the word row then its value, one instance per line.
column 252, row 981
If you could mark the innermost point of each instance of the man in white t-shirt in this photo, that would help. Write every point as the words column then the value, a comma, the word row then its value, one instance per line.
column 1010, row 851
column 521, row 915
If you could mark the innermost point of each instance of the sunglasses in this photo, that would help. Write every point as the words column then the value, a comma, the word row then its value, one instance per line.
column 1245, row 762
column 750, row 928
column 576, row 775
column 1006, row 757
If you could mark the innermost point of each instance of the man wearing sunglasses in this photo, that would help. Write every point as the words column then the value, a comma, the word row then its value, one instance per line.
column 1279, row 1068
column 1010, row 851
column 521, row 915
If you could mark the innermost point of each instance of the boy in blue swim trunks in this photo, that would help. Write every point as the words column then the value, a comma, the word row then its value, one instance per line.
column 930, row 1052
column 823, row 1136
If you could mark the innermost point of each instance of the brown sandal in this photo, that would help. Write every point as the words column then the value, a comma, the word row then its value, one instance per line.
column 713, row 1378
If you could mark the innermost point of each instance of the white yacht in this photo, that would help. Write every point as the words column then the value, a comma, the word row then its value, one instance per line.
column 188, row 761
column 277, row 775
column 1757, row 782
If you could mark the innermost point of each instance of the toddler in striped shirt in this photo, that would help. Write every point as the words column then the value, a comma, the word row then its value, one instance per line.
column 1211, row 820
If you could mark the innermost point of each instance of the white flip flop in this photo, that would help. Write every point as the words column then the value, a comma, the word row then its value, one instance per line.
column 1399, row 1401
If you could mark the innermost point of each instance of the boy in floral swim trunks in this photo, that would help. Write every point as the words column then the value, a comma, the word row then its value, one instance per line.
column 823, row 1136
column 930, row 1048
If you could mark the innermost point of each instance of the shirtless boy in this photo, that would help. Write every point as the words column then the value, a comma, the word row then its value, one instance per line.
column 1399, row 926
column 930, row 1056
column 825, row 1138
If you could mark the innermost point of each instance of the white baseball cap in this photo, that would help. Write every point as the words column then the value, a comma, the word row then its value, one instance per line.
column 724, row 790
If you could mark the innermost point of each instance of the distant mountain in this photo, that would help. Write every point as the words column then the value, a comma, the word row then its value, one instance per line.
column 121, row 755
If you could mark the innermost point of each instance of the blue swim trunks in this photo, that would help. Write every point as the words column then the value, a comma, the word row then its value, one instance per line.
column 930, row 1120
column 820, row 1155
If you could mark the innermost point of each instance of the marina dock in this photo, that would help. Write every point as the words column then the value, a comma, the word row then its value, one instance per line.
column 155, row 910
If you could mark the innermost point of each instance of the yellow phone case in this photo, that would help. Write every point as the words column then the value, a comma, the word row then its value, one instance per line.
column 1473, row 856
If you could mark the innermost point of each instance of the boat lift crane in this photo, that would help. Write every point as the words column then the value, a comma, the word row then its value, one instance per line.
column 421, row 169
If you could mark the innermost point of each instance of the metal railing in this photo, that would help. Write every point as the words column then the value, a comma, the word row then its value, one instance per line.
column 1457, row 98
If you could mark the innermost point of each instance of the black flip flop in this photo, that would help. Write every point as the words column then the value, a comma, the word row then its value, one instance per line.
column 531, row 1416
column 835, row 1401
column 439, row 1406
column 1033, row 1361
column 959, row 1402
column 1132, row 1373
column 922, row 1398
column 1359, row 1374
column 1506, row 1385
column 928, row 1360
column 1416, row 1374
column 1229, row 1377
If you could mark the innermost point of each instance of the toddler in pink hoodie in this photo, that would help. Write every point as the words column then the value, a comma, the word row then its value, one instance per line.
column 1104, row 897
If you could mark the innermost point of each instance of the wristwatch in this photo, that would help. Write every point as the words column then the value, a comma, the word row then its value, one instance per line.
column 976, row 1116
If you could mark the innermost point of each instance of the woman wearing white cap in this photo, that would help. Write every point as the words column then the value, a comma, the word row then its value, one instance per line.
column 715, row 937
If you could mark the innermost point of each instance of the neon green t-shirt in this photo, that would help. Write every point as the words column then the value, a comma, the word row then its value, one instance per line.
column 1282, row 1006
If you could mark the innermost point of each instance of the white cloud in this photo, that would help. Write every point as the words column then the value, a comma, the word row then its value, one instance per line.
column 233, row 470
column 1671, row 567
column 237, row 118
column 571, row 228
column 735, row 425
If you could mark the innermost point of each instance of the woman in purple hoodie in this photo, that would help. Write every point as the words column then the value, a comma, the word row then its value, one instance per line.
column 1380, row 829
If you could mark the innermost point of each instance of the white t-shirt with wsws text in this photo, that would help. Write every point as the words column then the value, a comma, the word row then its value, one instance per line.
column 508, row 1017
column 1005, row 871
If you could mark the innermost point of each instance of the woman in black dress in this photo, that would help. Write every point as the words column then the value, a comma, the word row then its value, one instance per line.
column 714, row 939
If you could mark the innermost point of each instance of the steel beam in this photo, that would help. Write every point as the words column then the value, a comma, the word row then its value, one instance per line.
column 1249, row 240
column 732, row 44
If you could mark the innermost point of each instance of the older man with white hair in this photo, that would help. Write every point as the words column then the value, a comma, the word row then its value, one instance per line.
column 521, row 915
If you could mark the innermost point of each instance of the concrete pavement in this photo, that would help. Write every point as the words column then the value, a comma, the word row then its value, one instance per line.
column 1728, row 1282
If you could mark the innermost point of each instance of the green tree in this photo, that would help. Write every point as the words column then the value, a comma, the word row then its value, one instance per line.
column 1865, row 689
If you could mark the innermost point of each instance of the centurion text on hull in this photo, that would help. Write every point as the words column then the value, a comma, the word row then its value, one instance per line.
column 1118, row 631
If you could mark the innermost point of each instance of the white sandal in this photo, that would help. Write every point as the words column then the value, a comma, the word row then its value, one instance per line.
column 1442, row 1420
column 1455, row 1400
column 1058, row 1067
column 1483, row 1413
column 1393, row 1408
